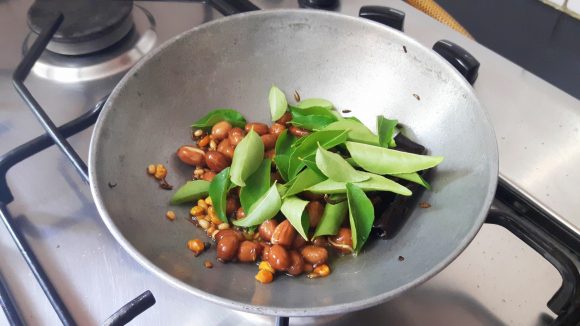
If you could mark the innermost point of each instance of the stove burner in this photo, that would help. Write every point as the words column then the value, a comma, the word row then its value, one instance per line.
column 88, row 25
column 116, row 59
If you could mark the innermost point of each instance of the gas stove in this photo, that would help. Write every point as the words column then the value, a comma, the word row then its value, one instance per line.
column 498, row 279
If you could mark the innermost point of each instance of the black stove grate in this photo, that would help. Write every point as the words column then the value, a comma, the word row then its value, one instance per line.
column 53, row 136
column 565, row 303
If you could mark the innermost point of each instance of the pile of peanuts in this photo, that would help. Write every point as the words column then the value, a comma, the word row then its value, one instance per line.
column 276, row 245
column 213, row 152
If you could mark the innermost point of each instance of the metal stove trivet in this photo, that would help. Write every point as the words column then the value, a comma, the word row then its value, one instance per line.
column 534, row 226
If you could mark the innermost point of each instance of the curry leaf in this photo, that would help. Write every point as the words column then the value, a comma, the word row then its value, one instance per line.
column 335, row 198
column 374, row 183
column 283, row 149
column 386, row 130
column 190, row 192
column 299, row 141
column 264, row 209
column 314, row 102
column 310, row 162
column 308, row 146
column 332, row 219
column 357, row 131
column 256, row 185
column 281, row 189
column 361, row 216
column 302, row 181
column 312, row 122
column 352, row 162
column 215, row 116
column 278, row 103
column 315, row 110
column 293, row 208
column 247, row 158
column 413, row 177
column 336, row 168
column 218, row 191
column 388, row 161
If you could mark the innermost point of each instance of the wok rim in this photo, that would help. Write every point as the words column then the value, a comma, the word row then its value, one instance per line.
column 491, row 150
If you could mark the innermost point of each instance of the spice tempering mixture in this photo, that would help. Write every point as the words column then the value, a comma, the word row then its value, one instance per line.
column 288, row 195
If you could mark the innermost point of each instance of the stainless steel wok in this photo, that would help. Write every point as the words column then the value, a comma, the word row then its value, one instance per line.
column 232, row 62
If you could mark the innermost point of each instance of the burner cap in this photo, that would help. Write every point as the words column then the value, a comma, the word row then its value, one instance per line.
column 88, row 26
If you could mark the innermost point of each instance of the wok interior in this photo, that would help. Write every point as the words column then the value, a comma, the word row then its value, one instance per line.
column 357, row 65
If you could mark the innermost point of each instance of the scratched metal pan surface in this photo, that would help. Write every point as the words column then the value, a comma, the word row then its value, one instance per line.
column 232, row 62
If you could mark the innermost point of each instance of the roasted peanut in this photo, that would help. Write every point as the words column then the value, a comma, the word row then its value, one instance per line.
column 229, row 152
column 278, row 258
column 215, row 220
column 240, row 213
column 269, row 141
column 220, row 130
column 314, row 254
column 201, row 203
column 227, row 247
column 197, row 211
column 342, row 241
column 267, row 229
column 197, row 173
column 196, row 246
column 285, row 118
column 264, row 265
column 320, row 271
column 311, row 196
column 203, row 223
column 320, row 241
column 232, row 205
column 235, row 136
column 212, row 145
column 249, row 251
column 265, row 251
column 208, row 175
column 308, row 268
column 229, row 232
column 276, row 129
column 191, row 155
column 160, row 172
column 296, row 264
column 210, row 231
column 216, row 161
column 283, row 234
column 315, row 210
column 275, row 176
column 170, row 215
column 298, row 132
column 203, row 142
column 259, row 128
column 226, row 148
column 299, row 242
column 223, row 145
column 264, row 276
column 270, row 154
